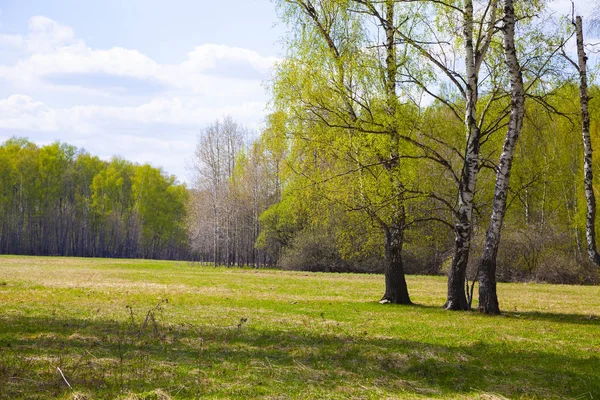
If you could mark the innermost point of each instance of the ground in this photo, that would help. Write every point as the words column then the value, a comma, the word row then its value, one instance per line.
column 143, row 329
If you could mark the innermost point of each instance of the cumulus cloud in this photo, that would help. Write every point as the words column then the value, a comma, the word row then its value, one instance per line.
column 156, row 109
column 115, row 84
column 45, row 35
column 23, row 113
column 228, row 61
column 20, row 112
column 11, row 40
column 79, row 59
column 52, row 50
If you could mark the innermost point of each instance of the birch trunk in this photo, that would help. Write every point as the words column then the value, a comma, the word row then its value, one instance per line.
column 396, row 290
column 588, row 175
column 457, row 299
column 488, row 299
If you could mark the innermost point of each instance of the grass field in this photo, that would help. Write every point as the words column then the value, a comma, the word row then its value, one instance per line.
column 158, row 330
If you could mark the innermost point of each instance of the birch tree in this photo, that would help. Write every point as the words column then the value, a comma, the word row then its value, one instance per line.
column 341, row 87
column 488, row 299
column 588, row 172
column 216, row 155
column 474, row 32
column 475, row 50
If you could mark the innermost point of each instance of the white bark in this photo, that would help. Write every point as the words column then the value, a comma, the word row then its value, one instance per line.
column 216, row 154
column 464, row 225
column 488, row 301
column 588, row 175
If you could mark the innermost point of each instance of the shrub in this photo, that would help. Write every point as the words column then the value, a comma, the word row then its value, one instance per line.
column 313, row 250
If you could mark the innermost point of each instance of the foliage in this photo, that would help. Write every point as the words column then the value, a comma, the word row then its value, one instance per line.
column 362, row 140
column 546, row 205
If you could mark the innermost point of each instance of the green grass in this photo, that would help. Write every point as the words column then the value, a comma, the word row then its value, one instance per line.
column 243, row 333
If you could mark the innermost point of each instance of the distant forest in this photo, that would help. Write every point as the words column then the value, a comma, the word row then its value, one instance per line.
column 57, row 200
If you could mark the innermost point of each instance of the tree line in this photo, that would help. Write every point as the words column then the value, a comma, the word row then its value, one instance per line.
column 58, row 200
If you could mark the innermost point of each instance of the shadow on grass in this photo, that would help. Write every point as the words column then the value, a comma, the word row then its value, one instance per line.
column 563, row 318
column 589, row 319
column 108, row 358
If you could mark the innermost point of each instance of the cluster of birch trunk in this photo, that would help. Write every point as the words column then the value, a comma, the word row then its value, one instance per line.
column 362, row 86
column 235, row 181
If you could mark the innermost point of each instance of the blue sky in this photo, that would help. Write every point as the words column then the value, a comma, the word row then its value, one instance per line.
column 163, row 30
column 137, row 78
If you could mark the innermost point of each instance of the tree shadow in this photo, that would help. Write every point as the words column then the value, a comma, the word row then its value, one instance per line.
column 582, row 319
column 563, row 318
column 108, row 358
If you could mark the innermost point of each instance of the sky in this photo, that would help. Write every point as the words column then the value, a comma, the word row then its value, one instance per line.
column 138, row 78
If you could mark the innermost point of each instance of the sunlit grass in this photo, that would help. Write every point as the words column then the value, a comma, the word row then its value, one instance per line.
column 155, row 329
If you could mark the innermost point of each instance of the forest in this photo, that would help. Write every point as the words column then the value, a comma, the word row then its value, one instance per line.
column 418, row 137
column 58, row 200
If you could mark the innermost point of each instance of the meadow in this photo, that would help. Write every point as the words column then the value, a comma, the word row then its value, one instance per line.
column 73, row 328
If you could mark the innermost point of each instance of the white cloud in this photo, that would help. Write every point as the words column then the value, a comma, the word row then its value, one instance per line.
column 79, row 59
column 51, row 49
column 208, row 56
column 167, row 106
column 11, row 40
column 21, row 112
column 45, row 35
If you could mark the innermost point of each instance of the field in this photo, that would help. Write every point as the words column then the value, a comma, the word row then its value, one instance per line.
column 95, row 328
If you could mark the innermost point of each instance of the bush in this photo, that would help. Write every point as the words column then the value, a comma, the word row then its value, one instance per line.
column 425, row 261
column 542, row 254
column 558, row 267
column 312, row 250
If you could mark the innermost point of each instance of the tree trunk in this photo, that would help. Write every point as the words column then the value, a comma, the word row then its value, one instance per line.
column 396, row 290
column 457, row 299
column 215, row 233
column 588, row 175
column 488, row 299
